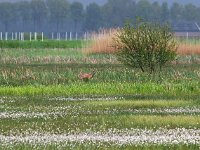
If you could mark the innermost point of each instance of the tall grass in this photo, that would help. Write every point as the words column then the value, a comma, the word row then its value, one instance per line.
column 188, row 49
column 63, row 74
column 103, row 43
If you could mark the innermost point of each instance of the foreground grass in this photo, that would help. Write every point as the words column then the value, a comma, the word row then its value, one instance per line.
column 107, row 146
column 63, row 116
column 22, row 116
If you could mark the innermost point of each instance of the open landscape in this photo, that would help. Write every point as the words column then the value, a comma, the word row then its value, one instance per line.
column 45, row 105
column 99, row 75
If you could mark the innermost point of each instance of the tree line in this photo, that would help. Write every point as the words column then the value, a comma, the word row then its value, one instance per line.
column 61, row 15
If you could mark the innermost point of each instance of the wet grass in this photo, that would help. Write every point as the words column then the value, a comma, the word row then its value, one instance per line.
column 94, row 115
column 74, row 116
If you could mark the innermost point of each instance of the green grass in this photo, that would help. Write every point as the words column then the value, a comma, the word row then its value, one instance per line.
column 42, row 44
column 58, row 52
column 188, row 41
column 106, row 89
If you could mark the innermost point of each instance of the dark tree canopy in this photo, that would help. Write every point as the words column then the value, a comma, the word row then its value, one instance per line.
column 59, row 10
column 6, row 14
column 77, row 13
column 38, row 12
column 61, row 15
column 93, row 18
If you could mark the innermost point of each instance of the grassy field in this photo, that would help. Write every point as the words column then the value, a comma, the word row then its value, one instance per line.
column 44, row 104
column 42, row 44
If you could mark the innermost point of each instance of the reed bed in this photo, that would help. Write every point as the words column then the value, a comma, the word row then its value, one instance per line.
column 188, row 49
column 103, row 43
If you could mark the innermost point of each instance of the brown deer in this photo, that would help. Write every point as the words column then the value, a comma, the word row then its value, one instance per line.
column 86, row 76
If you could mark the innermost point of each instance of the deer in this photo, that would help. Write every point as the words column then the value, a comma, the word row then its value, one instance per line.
column 86, row 76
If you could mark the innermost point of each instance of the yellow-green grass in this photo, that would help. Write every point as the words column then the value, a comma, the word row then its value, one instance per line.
column 105, row 89
column 137, row 104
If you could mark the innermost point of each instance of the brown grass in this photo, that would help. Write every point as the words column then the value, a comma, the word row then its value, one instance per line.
column 189, row 49
column 103, row 43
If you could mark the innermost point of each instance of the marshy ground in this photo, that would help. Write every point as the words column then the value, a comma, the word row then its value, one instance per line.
column 44, row 105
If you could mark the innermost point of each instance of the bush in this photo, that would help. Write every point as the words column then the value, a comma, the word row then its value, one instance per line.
column 146, row 46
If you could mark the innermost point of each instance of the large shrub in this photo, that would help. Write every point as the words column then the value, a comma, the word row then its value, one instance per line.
column 146, row 46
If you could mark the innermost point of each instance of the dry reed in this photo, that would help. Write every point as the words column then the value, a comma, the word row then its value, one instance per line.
column 102, row 42
column 188, row 49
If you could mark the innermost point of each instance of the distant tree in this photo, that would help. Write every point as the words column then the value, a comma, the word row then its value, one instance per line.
column 23, row 8
column 38, row 12
column 93, row 18
column 198, row 14
column 155, row 12
column 190, row 12
column 6, row 14
column 176, row 11
column 59, row 10
column 144, row 10
column 164, row 12
column 77, row 13
column 115, row 12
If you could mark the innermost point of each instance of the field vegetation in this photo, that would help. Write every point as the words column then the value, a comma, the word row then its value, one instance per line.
column 26, row 44
column 44, row 104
